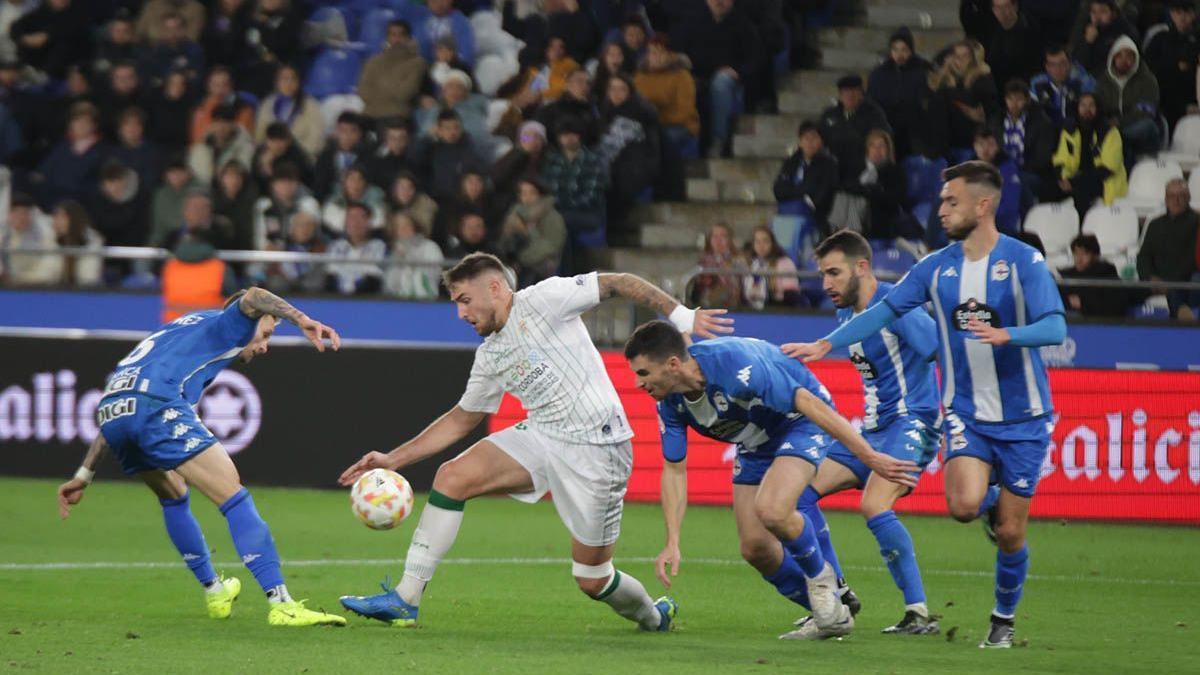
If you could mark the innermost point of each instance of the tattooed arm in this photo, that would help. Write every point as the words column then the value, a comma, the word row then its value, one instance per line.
column 702, row 322
column 258, row 302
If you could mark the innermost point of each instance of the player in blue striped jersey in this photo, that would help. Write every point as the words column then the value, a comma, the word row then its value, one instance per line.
column 745, row 391
column 995, row 303
column 901, row 418
column 147, row 418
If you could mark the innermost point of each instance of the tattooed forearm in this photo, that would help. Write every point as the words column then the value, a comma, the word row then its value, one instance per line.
column 637, row 289
column 258, row 301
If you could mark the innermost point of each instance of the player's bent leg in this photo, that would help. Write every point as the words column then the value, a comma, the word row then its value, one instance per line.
column 188, row 538
column 481, row 469
column 213, row 473
column 896, row 548
column 762, row 550
column 1012, row 566
column 832, row 477
column 593, row 570
column 966, row 486
column 776, row 508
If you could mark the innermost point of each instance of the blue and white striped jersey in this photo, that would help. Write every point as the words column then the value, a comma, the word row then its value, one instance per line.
column 749, row 396
column 1011, row 287
column 895, row 366
column 183, row 357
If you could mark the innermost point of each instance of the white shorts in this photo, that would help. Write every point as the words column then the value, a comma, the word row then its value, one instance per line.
column 586, row 482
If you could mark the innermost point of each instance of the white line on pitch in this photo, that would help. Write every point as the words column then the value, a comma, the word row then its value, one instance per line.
column 397, row 562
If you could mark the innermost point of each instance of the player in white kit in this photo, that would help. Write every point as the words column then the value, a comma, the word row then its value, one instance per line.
column 574, row 444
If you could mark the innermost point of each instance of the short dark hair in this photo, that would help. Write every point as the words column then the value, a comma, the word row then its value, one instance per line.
column 278, row 131
column 1087, row 242
column 112, row 170
column 285, row 170
column 350, row 117
column 975, row 172
column 21, row 200
column 1017, row 86
column 365, row 207
column 657, row 340
column 1055, row 48
column 132, row 112
column 448, row 115
column 226, row 112
column 850, row 243
column 983, row 132
column 401, row 23
column 806, row 126
column 472, row 266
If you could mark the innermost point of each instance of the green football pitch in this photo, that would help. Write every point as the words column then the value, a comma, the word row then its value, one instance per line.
column 105, row 592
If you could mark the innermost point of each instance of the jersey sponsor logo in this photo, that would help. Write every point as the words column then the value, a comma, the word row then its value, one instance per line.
column 726, row 429
column 1000, row 270
column 973, row 309
column 111, row 411
column 865, row 368
column 122, row 380
column 743, row 375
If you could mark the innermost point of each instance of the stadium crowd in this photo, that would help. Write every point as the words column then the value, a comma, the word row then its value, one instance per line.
column 1063, row 97
column 418, row 132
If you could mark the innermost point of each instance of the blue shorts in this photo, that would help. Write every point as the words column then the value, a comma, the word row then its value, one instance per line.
column 1016, row 450
column 803, row 439
column 907, row 437
column 148, row 433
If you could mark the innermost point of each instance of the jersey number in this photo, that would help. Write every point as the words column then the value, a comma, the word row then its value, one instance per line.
column 141, row 350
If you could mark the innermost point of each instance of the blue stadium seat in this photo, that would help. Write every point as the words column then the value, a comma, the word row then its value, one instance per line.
column 373, row 32
column 960, row 155
column 886, row 257
column 333, row 71
column 924, row 178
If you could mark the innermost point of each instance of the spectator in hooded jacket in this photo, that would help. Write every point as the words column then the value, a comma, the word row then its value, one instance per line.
column 896, row 86
column 1129, row 91
column 844, row 127
column 1171, row 50
column 1095, row 37
column 629, row 145
column 392, row 78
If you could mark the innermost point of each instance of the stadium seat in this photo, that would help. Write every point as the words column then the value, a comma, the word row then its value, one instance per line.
column 924, row 177
column 373, row 32
column 1194, row 188
column 886, row 257
column 1155, row 307
column 1148, row 181
column 1116, row 227
column 1185, row 146
column 334, row 71
column 1056, row 223
column 333, row 106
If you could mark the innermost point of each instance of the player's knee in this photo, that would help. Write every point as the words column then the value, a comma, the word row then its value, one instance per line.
column 869, row 508
column 452, row 481
column 773, row 517
column 591, row 587
column 758, row 554
column 1010, row 535
column 962, row 510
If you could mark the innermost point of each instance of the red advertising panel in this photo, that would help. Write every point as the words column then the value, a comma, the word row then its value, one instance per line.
column 1126, row 446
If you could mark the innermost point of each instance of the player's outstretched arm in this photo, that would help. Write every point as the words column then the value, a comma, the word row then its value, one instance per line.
column 857, row 329
column 259, row 301
column 444, row 432
column 894, row 470
column 706, row 323
column 674, row 505
column 70, row 492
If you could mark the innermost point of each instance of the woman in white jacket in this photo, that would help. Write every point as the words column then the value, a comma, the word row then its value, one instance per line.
column 410, row 247
column 73, row 229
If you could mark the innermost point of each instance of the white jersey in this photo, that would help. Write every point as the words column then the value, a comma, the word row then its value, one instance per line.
column 545, row 357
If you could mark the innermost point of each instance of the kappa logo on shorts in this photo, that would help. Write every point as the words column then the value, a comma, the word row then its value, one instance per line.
column 111, row 411
column 913, row 434
column 1023, row 484
column 191, row 444
column 169, row 415
column 787, row 446
column 179, row 430
column 818, row 439
column 813, row 452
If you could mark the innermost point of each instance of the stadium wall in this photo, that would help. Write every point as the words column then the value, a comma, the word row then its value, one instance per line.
column 1126, row 444
column 1143, row 347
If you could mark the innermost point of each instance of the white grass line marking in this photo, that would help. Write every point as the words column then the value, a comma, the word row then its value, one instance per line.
column 399, row 562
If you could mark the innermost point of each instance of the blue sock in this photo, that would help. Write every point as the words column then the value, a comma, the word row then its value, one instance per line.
column 185, row 533
column 989, row 500
column 1011, row 569
column 252, row 539
column 789, row 581
column 808, row 506
column 806, row 550
column 896, row 547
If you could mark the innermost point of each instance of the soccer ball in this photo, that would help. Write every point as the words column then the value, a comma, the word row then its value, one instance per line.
column 381, row 499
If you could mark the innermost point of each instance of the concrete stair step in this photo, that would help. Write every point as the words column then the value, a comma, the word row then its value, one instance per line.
column 655, row 262
column 659, row 236
column 735, row 169
column 745, row 192
column 927, row 42
column 699, row 216
column 927, row 5
column 780, row 126
column 815, row 89
column 860, row 58
column 762, row 145
column 914, row 15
